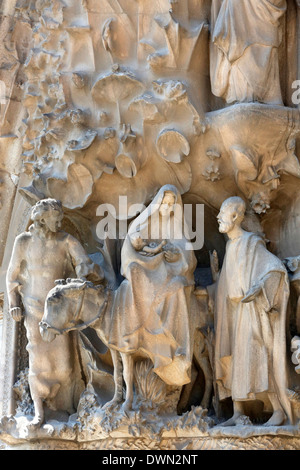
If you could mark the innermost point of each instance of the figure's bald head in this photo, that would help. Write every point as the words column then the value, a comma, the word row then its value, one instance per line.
column 232, row 213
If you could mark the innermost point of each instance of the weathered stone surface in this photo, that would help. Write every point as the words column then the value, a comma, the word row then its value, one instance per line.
column 134, row 124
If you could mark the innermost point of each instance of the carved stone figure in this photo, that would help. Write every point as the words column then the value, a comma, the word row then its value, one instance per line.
column 156, row 288
column 244, row 52
column 251, row 302
column 75, row 305
column 102, row 104
column 293, row 267
column 153, row 314
column 41, row 256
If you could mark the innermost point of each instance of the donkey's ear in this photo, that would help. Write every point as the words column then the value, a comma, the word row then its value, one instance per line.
column 74, row 280
column 81, row 285
column 73, row 289
column 60, row 282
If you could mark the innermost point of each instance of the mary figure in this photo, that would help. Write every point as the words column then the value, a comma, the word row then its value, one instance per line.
column 151, row 312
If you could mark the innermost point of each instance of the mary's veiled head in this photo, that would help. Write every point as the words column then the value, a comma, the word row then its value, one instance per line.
column 167, row 204
column 163, row 216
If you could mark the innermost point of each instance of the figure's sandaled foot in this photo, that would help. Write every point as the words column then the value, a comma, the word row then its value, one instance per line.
column 277, row 419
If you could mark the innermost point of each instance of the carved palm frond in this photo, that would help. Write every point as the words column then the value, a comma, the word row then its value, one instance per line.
column 150, row 388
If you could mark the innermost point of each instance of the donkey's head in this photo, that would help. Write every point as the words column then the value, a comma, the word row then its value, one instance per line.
column 63, row 306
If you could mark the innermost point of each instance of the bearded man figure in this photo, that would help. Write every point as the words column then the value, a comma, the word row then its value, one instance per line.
column 41, row 256
column 251, row 304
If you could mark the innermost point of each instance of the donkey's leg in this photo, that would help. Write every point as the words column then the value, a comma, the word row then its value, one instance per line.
column 118, row 380
column 128, row 378
column 206, row 368
column 39, row 417
column 202, row 358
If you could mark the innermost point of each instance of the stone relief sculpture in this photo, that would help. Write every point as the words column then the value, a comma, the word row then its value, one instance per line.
column 251, row 304
column 139, row 338
column 293, row 268
column 134, row 324
column 40, row 256
column 169, row 275
column 245, row 62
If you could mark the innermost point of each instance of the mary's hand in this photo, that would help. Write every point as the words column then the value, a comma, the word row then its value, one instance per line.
column 171, row 257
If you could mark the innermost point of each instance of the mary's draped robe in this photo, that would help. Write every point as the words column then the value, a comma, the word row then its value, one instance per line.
column 151, row 312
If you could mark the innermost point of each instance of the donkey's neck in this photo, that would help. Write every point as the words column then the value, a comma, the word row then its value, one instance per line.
column 93, row 304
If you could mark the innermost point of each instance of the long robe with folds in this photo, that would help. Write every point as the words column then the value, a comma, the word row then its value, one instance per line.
column 250, row 350
column 244, row 50
column 151, row 312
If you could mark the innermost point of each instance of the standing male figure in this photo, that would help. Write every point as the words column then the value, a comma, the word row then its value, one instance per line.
column 251, row 302
column 40, row 256
column 244, row 57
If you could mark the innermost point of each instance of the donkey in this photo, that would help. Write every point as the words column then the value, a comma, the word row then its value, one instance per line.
column 75, row 305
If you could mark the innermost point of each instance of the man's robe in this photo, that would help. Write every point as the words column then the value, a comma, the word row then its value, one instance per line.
column 250, row 351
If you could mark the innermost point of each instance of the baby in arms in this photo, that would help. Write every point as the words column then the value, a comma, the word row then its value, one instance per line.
column 147, row 249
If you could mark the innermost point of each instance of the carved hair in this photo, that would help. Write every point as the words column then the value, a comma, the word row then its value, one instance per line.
column 68, row 288
column 43, row 206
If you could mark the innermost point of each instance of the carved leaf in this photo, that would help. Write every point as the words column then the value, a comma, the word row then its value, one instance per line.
column 127, row 165
column 84, row 142
column 150, row 387
column 244, row 162
column 74, row 192
column 146, row 109
column 116, row 87
column 172, row 145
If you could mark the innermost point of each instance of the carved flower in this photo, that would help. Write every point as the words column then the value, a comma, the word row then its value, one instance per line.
column 213, row 153
column 260, row 203
column 212, row 173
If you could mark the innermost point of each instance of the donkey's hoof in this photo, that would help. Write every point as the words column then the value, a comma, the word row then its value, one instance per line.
column 126, row 407
column 112, row 404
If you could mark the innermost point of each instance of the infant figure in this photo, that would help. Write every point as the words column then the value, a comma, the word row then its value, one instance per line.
column 147, row 249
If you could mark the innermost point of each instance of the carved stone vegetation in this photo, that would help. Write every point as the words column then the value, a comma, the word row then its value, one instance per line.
column 168, row 105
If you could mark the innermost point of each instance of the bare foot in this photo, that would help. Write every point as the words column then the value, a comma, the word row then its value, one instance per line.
column 35, row 423
column 277, row 418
